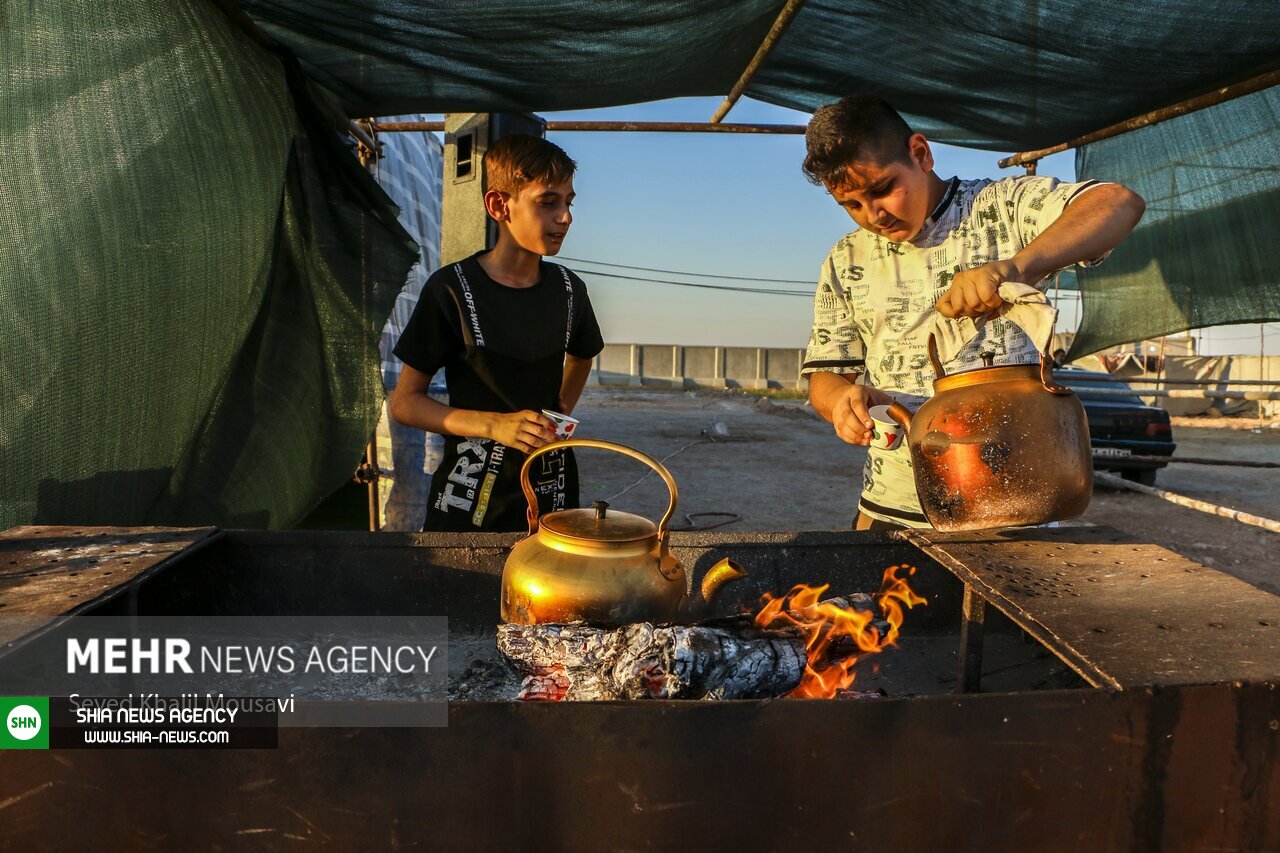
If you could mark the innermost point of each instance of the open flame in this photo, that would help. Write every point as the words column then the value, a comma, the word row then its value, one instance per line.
column 830, row 627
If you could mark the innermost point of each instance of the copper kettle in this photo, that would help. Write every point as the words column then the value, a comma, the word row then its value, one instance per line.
column 999, row 447
column 600, row 565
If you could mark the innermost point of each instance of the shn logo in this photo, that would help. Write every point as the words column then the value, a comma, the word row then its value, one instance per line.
column 25, row 722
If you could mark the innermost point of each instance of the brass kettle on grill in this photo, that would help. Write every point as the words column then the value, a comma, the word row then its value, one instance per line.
column 600, row 565
column 999, row 447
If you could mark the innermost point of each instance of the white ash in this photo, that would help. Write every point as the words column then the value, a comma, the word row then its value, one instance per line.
column 576, row 661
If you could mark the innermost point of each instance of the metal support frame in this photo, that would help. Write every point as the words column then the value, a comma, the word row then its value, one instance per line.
column 368, row 473
column 779, row 27
column 1190, row 460
column 368, row 148
column 1251, row 383
column 973, row 623
column 624, row 126
column 1209, row 99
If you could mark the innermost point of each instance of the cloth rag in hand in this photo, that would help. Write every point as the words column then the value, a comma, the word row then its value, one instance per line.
column 1025, row 307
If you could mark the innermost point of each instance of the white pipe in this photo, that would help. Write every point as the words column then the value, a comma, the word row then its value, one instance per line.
column 1181, row 393
column 1183, row 500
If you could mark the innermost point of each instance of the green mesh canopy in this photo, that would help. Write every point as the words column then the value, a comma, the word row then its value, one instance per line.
column 192, row 269
column 1005, row 76
column 1204, row 253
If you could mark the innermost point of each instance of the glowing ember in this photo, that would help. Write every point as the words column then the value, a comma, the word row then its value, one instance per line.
column 829, row 627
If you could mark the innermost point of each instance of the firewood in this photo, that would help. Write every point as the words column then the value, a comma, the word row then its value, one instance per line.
column 576, row 661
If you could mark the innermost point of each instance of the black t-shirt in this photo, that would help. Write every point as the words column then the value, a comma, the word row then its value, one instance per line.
column 525, row 324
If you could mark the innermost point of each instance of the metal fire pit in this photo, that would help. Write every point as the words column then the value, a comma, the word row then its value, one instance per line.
column 1169, row 740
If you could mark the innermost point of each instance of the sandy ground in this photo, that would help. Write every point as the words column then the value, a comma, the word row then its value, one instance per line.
column 782, row 468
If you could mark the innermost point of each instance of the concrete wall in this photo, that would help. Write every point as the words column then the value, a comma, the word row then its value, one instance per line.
column 668, row 366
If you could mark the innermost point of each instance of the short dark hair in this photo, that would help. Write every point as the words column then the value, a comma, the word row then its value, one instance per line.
column 853, row 129
column 515, row 161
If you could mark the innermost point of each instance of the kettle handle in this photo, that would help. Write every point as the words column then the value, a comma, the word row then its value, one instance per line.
column 934, row 360
column 657, row 466
column 1047, row 380
column 1046, row 376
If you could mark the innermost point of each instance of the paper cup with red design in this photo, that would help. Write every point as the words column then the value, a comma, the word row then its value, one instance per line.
column 565, row 425
column 886, row 433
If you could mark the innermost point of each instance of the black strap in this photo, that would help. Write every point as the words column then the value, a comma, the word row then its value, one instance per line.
column 471, row 332
column 568, row 288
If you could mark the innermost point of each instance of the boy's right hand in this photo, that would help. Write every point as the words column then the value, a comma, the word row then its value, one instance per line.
column 525, row 431
column 850, row 416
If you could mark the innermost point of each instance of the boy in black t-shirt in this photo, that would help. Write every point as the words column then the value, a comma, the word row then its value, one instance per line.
column 515, row 335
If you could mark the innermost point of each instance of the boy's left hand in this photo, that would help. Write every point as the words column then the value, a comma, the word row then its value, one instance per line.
column 975, row 292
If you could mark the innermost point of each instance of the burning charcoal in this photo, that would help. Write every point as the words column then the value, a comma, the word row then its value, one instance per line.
column 798, row 645
column 641, row 661
column 839, row 631
column 856, row 601
column 680, row 662
column 862, row 694
column 574, row 653
column 551, row 684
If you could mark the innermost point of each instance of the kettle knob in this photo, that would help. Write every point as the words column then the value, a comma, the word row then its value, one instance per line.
column 600, row 507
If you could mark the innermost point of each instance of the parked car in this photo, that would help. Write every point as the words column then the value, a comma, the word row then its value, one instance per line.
column 1120, row 426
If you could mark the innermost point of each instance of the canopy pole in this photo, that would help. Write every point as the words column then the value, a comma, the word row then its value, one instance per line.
column 1218, row 96
column 632, row 126
column 779, row 27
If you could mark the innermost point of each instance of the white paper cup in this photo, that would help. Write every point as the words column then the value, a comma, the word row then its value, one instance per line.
column 886, row 433
column 564, row 424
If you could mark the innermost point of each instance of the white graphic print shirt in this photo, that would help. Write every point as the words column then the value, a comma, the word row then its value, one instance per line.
column 874, row 306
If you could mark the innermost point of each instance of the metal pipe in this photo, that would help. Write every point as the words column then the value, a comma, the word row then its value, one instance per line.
column 1258, row 383
column 1190, row 460
column 674, row 127
column 779, row 27
column 407, row 126
column 1209, row 99
column 1191, row 503
column 632, row 126
column 1180, row 393
column 375, row 511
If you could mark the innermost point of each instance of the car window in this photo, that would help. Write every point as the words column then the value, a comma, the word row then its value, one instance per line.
column 1082, row 387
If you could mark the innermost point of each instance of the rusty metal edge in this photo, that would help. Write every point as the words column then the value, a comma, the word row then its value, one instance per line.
column 1085, row 668
column 1172, row 111
column 212, row 534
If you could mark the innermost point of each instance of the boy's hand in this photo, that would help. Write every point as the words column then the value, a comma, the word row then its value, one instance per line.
column 525, row 431
column 850, row 416
column 975, row 292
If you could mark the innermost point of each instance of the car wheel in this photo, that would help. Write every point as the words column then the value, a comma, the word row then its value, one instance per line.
column 1141, row 476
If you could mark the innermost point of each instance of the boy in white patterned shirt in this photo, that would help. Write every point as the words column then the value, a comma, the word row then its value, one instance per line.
column 925, row 246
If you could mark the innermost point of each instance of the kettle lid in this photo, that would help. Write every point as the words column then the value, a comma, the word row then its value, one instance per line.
column 599, row 524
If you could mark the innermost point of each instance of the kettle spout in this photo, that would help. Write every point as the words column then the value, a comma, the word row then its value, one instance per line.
column 724, row 572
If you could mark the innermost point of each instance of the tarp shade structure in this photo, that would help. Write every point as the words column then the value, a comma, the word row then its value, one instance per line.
column 1004, row 76
column 386, row 57
column 1205, row 253
column 193, row 273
